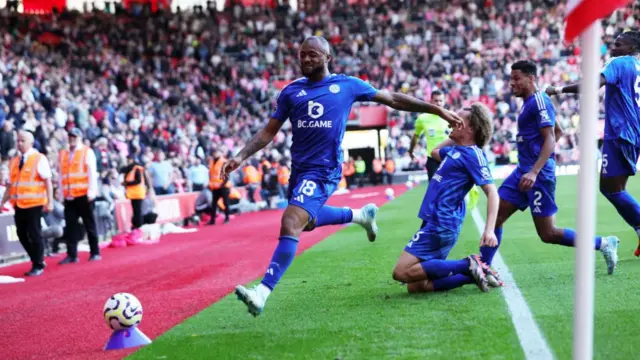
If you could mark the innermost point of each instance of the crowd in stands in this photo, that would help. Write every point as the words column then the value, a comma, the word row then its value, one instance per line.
column 171, row 88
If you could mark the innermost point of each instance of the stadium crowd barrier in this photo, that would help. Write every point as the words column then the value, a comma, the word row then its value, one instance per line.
column 177, row 207
column 170, row 209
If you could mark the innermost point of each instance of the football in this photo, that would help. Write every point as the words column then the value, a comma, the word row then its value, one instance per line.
column 122, row 311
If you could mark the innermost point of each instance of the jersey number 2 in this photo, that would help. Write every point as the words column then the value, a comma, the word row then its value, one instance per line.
column 537, row 196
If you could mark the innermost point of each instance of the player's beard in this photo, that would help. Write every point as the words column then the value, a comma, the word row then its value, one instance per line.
column 311, row 73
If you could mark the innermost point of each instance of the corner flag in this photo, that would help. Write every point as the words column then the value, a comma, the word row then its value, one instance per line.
column 583, row 19
column 582, row 13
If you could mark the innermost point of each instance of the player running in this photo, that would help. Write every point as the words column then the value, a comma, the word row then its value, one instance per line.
column 423, row 265
column 621, row 148
column 318, row 106
column 533, row 183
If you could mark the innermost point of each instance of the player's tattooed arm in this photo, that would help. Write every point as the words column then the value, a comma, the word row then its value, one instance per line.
column 257, row 142
column 261, row 139
column 404, row 102
column 570, row 89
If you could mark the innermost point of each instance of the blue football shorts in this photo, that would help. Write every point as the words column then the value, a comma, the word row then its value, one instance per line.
column 541, row 199
column 310, row 189
column 432, row 242
column 619, row 158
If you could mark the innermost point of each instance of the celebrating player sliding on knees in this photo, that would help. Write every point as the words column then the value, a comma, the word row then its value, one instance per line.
column 318, row 106
column 423, row 265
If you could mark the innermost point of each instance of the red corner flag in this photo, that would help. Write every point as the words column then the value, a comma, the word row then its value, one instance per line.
column 582, row 13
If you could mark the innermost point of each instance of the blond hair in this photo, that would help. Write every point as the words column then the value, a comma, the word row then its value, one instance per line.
column 481, row 122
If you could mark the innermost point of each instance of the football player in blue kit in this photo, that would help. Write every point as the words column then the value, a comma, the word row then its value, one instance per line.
column 621, row 148
column 423, row 265
column 318, row 106
column 533, row 183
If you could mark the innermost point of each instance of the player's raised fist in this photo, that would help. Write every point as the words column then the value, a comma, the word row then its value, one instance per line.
column 229, row 167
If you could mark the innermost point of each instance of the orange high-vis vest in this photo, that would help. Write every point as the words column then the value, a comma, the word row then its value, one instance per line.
column 28, row 189
column 390, row 166
column 139, row 191
column 377, row 166
column 251, row 175
column 74, row 173
column 215, row 181
column 283, row 175
column 234, row 194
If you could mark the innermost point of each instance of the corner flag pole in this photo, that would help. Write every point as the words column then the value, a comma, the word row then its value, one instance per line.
column 589, row 109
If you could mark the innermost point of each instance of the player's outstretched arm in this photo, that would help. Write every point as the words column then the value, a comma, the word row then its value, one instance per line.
column 403, row 102
column 435, row 153
column 493, row 202
column 570, row 89
column 257, row 143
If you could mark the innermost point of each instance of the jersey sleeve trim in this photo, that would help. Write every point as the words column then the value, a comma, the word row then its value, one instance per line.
column 542, row 112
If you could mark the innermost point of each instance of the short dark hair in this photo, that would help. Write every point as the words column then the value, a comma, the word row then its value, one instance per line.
column 436, row 93
column 526, row 67
column 634, row 37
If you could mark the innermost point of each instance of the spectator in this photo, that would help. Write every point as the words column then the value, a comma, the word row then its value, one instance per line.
column 162, row 175
column 198, row 175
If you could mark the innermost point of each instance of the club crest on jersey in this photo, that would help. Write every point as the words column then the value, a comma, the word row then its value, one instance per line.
column 545, row 116
column 486, row 174
column 334, row 88
column 315, row 109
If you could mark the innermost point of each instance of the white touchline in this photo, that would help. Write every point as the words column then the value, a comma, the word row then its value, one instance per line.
column 533, row 343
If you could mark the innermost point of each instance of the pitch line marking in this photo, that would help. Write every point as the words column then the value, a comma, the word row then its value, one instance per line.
column 533, row 343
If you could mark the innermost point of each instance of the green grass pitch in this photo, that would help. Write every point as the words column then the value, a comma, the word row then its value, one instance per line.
column 338, row 301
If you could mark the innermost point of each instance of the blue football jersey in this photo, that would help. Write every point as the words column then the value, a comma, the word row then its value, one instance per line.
column 537, row 112
column 622, row 99
column 461, row 167
column 318, row 113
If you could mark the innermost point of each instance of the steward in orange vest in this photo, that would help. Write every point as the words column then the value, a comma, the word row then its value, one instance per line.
column 251, row 178
column 349, row 170
column 136, row 186
column 220, row 188
column 376, row 176
column 30, row 191
column 79, row 177
column 389, row 170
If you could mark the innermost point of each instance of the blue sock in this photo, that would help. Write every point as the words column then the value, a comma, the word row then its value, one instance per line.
column 329, row 215
column 569, row 239
column 452, row 282
column 436, row 269
column 487, row 253
column 627, row 207
column 280, row 261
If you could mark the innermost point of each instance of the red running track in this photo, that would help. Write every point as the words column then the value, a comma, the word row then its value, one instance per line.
column 59, row 314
